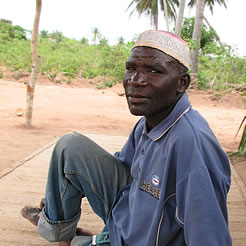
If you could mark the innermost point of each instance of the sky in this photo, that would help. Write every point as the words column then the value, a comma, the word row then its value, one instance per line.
column 77, row 18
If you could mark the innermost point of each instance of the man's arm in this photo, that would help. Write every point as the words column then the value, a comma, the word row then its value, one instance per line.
column 201, row 208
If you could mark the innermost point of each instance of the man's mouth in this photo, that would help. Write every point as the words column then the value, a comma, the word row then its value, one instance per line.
column 136, row 98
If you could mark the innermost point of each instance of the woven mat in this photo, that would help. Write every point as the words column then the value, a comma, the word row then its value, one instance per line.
column 25, row 183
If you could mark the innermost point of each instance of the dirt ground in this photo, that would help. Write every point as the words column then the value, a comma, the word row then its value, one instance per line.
column 60, row 108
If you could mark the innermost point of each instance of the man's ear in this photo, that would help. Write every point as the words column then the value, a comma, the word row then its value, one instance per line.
column 184, row 83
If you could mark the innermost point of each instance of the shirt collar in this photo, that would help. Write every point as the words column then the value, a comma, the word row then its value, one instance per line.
column 182, row 106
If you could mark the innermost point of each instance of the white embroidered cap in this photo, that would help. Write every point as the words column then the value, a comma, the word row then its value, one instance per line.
column 168, row 42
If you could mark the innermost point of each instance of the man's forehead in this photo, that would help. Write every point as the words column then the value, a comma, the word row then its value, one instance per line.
column 151, row 54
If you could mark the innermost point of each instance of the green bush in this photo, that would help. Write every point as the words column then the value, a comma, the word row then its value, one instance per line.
column 207, row 36
column 16, row 54
column 10, row 32
column 219, row 67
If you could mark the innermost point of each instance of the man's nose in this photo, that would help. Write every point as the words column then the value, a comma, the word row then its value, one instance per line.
column 138, row 79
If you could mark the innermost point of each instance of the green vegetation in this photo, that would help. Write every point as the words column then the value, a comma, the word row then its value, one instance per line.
column 208, row 36
column 241, row 152
column 9, row 32
column 219, row 68
column 61, row 55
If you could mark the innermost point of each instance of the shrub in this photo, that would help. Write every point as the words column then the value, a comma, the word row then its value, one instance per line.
column 219, row 67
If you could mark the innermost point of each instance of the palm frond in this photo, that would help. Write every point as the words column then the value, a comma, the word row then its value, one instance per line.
column 242, row 145
column 170, row 8
column 209, row 3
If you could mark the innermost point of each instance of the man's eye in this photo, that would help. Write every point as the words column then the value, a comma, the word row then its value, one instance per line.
column 130, row 68
column 154, row 71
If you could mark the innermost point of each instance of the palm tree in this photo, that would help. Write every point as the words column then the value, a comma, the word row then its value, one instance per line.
column 153, row 7
column 96, row 34
column 149, row 7
column 169, row 8
column 180, row 17
column 209, row 3
column 35, row 65
column 200, row 6
column 166, row 13
column 196, row 37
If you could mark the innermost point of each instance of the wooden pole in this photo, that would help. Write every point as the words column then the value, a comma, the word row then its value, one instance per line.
column 35, row 66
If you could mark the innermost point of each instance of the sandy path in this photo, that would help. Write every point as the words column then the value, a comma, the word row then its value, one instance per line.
column 59, row 109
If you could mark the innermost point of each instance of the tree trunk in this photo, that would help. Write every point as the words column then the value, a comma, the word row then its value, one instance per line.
column 180, row 17
column 35, row 65
column 196, row 37
column 156, row 19
column 166, row 14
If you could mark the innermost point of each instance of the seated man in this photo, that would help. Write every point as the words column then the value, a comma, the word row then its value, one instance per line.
column 169, row 183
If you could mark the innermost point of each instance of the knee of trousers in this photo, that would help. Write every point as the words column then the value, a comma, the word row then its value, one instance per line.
column 71, row 140
column 73, row 148
column 71, row 143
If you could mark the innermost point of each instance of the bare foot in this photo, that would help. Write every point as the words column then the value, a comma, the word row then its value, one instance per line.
column 31, row 214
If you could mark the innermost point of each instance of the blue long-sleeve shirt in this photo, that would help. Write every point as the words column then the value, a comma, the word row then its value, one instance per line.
column 181, row 178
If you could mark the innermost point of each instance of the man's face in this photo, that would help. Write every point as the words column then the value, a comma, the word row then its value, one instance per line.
column 151, row 83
